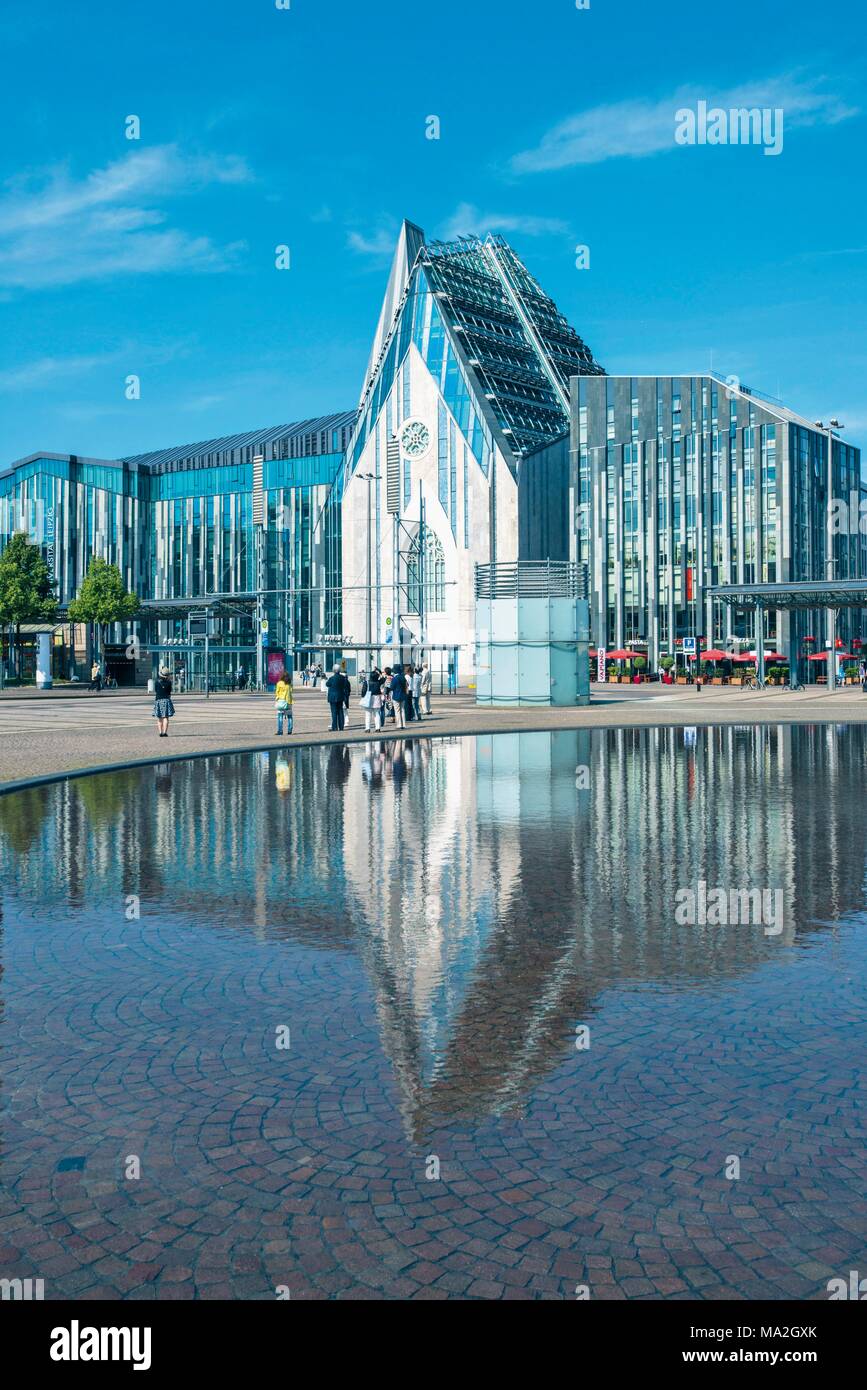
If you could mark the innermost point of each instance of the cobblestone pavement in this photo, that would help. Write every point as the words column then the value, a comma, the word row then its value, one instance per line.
column 413, row 917
column 51, row 733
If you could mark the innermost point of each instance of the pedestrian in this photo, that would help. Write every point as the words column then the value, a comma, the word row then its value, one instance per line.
column 163, row 707
column 373, row 696
column 426, row 686
column 336, row 689
column 399, row 695
column 452, row 678
column 95, row 677
column 348, row 689
column 242, row 678
column 283, row 703
column 415, row 691
column 387, row 702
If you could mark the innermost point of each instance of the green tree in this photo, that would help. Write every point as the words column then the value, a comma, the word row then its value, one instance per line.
column 102, row 598
column 26, row 588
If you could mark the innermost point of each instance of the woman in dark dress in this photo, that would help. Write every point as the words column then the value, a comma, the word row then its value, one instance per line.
column 163, row 707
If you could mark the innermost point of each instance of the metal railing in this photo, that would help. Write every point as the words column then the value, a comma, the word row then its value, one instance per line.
column 532, row 579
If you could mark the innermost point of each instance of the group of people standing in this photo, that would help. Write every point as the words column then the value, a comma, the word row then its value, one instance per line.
column 399, row 693
column 396, row 693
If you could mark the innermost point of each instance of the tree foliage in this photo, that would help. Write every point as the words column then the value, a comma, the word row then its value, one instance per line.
column 102, row 597
column 26, row 586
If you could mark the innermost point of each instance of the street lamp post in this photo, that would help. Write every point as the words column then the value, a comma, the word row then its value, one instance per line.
column 831, row 622
column 369, row 478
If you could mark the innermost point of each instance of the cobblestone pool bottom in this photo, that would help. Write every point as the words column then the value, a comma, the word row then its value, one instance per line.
column 229, row 1072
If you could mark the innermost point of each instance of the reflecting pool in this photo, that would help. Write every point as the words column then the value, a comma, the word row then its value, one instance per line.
column 491, row 1017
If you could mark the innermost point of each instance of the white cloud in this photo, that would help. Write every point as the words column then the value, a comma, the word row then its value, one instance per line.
column 380, row 243
column 41, row 373
column 56, row 230
column 44, row 370
column 634, row 129
column 467, row 220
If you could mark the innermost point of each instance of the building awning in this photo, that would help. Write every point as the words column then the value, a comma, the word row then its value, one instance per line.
column 165, row 608
column 811, row 593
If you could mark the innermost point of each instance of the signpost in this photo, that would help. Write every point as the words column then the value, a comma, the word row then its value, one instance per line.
column 200, row 626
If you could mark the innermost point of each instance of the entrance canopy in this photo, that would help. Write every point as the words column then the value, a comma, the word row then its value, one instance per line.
column 168, row 608
column 809, row 593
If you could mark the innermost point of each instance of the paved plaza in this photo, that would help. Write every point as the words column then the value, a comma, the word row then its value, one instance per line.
column 55, row 732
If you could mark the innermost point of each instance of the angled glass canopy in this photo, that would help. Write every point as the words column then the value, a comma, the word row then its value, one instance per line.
column 808, row 593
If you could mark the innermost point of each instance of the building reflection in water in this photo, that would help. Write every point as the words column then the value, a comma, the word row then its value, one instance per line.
column 492, row 888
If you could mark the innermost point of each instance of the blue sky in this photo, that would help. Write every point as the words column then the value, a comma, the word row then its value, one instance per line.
column 307, row 127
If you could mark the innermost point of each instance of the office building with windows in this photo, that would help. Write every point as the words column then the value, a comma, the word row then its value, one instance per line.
column 180, row 524
column 682, row 483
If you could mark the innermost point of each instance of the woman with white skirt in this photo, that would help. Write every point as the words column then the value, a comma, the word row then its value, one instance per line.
column 371, row 698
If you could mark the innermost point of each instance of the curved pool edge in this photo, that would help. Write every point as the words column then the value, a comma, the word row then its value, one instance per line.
column 364, row 736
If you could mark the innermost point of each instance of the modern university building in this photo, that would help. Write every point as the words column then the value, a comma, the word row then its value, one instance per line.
column 486, row 432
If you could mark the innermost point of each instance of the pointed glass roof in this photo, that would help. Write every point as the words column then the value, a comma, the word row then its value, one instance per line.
column 506, row 348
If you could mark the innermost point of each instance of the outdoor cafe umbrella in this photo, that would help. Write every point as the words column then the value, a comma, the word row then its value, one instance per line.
column 769, row 656
column 823, row 656
column 622, row 655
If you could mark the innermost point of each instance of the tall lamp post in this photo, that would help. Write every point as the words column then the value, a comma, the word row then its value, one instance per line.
column 259, row 551
column 831, row 428
column 369, row 478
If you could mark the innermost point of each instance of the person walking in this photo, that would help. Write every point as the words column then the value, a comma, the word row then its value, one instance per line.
column 399, row 695
column 426, row 686
column 453, row 684
column 283, row 703
column 336, row 689
column 415, row 691
column 95, row 677
column 163, row 707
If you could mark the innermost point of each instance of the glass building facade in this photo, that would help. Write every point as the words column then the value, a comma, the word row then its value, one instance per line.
column 467, row 385
column 486, row 432
column 179, row 525
column 683, row 483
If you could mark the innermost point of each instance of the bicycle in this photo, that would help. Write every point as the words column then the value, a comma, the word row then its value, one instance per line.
column 753, row 683
column 110, row 683
column 793, row 684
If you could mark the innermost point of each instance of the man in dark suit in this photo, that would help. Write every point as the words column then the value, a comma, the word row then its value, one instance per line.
column 339, row 691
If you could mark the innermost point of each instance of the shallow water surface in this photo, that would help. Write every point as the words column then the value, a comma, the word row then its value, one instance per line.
column 420, row 1019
